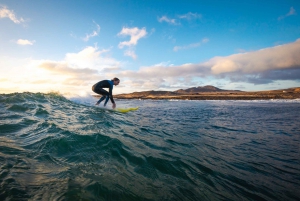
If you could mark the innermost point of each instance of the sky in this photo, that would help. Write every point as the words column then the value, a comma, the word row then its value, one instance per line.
column 66, row 46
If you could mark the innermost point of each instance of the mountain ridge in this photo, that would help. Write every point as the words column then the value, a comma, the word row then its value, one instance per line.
column 210, row 92
column 207, row 88
column 199, row 89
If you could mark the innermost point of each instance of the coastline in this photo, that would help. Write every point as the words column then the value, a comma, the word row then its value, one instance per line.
column 263, row 95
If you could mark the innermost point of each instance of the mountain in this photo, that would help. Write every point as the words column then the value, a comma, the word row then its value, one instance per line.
column 213, row 93
column 189, row 91
column 207, row 88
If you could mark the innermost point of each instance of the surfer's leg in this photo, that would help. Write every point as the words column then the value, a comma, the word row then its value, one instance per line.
column 100, row 100
column 107, row 98
column 101, row 92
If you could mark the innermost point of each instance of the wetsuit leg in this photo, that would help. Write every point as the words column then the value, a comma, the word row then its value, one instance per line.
column 107, row 98
column 99, row 90
column 101, row 99
column 102, row 92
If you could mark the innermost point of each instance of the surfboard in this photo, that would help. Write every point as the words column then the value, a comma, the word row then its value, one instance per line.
column 125, row 110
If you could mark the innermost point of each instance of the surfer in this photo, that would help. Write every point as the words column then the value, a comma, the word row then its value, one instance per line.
column 98, row 88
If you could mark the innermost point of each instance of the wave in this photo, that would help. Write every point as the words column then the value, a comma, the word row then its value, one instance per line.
column 58, row 148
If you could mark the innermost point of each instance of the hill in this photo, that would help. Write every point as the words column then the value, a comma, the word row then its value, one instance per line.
column 207, row 88
column 213, row 93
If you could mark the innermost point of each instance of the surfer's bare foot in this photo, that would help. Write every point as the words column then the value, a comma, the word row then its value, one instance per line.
column 97, row 104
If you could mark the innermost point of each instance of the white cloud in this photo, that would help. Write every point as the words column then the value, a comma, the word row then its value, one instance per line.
column 259, row 67
column 25, row 42
column 167, row 63
column 93, row 34
column 275, row 58
column 91, row 57
column 135, row 35
column 190, row 16
column 130, row 53
column 79, row 71
column 63, row 68
column 193, row 45
column 168, row 20
column 291, row 12
column 6, row 13
column 76, row 72
column 205, row 40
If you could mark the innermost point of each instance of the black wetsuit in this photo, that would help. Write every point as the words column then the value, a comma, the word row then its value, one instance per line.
column 98, row 88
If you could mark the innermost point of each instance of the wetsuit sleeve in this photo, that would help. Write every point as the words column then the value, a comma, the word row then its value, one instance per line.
column 110, row 94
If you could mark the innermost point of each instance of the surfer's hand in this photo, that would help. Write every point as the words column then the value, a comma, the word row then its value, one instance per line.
column 114, row 106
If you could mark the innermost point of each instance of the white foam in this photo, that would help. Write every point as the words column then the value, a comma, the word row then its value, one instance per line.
column 85, row 99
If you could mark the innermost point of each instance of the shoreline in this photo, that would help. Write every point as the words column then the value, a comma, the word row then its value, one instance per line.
column 216, row 96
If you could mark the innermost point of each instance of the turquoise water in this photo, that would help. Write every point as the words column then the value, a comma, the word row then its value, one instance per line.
column 53, row 148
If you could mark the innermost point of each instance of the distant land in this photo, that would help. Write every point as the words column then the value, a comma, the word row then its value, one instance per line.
column 213, row 93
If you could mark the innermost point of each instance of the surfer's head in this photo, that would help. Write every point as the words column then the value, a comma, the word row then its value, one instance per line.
column 116, row 81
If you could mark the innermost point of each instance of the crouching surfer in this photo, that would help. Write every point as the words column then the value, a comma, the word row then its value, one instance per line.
column 98, row 88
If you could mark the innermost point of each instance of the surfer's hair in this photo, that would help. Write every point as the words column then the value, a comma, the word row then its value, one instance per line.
column 115, row 79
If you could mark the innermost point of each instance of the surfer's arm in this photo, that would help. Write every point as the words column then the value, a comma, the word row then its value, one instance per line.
column 113, row 102
column 111, row 96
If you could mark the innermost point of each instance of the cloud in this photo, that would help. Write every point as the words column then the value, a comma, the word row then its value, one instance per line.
column 262, row 66
column 67, row 76
column 110, row 69
column 193, row 45
column 82, row 68
column 291, row 12
column 3, row 80
column 135, row 35
column 166, row 63
column 190, row 16
column 73, row 74
column 91, row 57
column 6, row 13
column 168, row 20
column 166, row 72
column 93, row 34
column 274, row 58
column 64, row 68
column 130, row 53
column 88, row 61
column 25, row 42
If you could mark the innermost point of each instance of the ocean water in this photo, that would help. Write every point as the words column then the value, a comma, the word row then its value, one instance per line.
column 54, row 148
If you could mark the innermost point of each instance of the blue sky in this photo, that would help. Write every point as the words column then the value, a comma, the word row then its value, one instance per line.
column 67, row 46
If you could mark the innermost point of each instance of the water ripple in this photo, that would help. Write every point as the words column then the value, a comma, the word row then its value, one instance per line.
column 54, row 149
